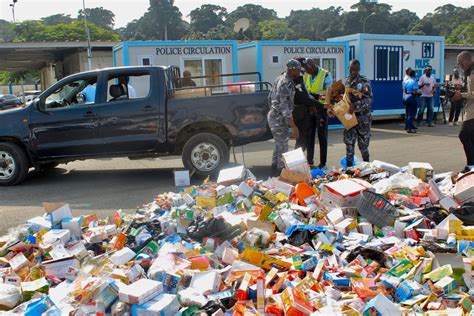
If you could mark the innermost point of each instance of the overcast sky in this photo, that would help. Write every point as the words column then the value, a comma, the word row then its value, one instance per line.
column 127, row 10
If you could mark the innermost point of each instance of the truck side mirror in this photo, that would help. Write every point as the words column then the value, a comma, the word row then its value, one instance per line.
column 40, row 105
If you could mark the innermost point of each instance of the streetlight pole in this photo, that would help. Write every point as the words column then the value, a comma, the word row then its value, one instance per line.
column 13, row 9
column 365, row 21
column 89, row 50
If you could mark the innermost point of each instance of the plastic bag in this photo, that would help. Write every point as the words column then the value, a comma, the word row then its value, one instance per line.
column 466, row 213
column 212, row 227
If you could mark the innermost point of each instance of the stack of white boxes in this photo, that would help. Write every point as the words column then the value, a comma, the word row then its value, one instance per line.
column 295, row 160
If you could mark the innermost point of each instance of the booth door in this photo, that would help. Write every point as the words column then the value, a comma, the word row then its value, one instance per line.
column 212, row 67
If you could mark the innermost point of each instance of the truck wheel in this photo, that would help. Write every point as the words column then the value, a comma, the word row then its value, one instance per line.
column 205, row 154
column 14, row 164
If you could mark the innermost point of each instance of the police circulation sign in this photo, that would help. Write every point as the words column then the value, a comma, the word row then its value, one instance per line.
column 313, row 50
column 190, row 50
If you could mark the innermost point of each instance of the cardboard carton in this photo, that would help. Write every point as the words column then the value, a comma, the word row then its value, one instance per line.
column 181, row 178
column 140, row 291
column 464, row 189
column 162, row 305
column 421, row 170
column 342, row 193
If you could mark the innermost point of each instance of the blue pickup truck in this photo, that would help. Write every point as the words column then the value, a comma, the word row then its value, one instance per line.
column 134, row 112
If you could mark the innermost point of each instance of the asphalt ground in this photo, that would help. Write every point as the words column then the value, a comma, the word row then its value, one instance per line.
column 102, row 186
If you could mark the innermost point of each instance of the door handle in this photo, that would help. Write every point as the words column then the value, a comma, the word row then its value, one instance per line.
column 147, row 108
column 90, row 113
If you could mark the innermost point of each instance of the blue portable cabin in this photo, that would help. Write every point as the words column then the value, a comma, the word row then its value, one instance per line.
column 383, row 59
column 201, row 58
column 269, row 57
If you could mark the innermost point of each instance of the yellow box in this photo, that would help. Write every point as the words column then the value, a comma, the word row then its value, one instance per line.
column 454, row 226
column 206, row 202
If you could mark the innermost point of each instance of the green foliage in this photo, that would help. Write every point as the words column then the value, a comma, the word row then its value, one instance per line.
column 444, row 20
column 316, row 24
column 463, row 34
column 207, row 17
column 7, row 33
column 276, row 29
column 99, row 16
column 57, row 19
column 35, row 31
column 17, row 77
column 256, row 14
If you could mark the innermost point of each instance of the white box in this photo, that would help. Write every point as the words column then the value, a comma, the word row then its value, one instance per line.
column 74, row 225
column 283, row 187
column 293, row 158
column 206, row 282
column 464, row 189
column 140, row 291
column 57, row 211
column 122, row 256
column 181, row 178
column 39, row 223
column 421, row 170
column 60, row 267
column 18, row 262
column 342, row 193
column 163, row 304
column 245, row 189
column 56, row 234
column 231, row 175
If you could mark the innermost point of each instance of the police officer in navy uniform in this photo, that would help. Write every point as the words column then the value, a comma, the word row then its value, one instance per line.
column 280, row 116
column 361, row 102
column 317, row 81
column 305, row 104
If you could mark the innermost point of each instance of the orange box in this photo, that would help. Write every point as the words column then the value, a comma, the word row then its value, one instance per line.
column 199, row 263
column 294, row 303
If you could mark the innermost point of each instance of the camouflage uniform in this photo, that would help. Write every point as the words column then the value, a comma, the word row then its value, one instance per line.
column 362, row 109
column 281, row 101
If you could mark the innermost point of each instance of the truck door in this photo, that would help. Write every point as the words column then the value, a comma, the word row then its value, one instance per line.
column 66, row 124
column 129, row 118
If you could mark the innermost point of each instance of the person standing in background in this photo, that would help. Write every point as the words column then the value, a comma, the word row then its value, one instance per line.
column 427, row 87
column 280, row 116
column 405, row 79
column 456, row 106
column 467, row 130
column 410, row 100
column 187, row 81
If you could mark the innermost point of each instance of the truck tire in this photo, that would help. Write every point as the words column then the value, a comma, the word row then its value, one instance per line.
column 14, row 164
column 205, row 154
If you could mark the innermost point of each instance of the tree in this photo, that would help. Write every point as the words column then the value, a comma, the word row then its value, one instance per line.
column 276, row 29
column 7, row 32
column 255, row 13
column 401, row 22
column 463, row 34
column 443, row 20
column 316, row 24
column 206, row 17
column 35, row 31
column 99, row 16
column 367, row 6
column 166, row 20
column 57, row 19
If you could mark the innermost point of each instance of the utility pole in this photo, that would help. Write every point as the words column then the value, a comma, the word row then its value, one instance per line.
column 365, row 21
column 13, row 9
column 89, row 49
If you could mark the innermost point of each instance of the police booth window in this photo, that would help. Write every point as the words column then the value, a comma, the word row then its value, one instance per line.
column 73, row 93
column 128, row 86
column 211, row 68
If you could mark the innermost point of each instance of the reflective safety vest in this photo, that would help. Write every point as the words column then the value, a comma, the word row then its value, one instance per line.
column 316, row 85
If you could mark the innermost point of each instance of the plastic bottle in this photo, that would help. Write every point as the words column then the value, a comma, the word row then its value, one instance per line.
column 451, row 241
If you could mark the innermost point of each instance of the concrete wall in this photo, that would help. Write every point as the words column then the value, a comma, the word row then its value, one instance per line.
column 119, row 57
column 100, row 60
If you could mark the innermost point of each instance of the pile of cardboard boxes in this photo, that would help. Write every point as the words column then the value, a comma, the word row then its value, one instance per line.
column 290, row 245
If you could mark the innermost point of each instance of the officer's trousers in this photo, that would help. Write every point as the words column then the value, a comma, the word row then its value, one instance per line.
column 360, row 134
column 279, row 127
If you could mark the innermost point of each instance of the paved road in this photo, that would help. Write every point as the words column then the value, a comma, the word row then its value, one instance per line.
column 105, row 185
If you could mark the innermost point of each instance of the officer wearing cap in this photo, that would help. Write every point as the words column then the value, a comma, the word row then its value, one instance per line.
column 361, row 102
column 280, row 119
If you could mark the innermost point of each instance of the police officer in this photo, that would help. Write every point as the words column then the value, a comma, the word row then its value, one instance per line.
column 361, row 101
column 317, row 80
column 304, row 105
column 281, row 99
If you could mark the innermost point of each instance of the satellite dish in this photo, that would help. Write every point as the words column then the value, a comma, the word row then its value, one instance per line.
column 241, row 25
